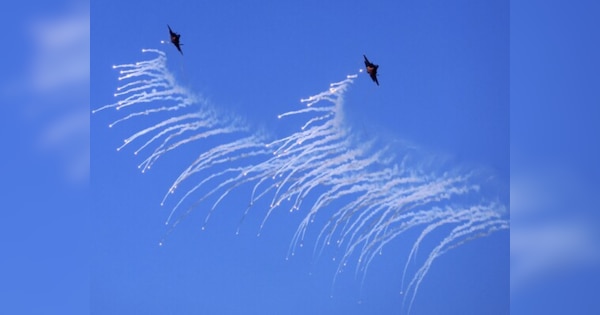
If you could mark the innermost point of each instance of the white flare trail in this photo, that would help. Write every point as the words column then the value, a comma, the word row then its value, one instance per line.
column 365, row 194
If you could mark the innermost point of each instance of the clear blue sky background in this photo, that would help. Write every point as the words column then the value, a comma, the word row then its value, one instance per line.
column 45, row 238
column 444, row 87
column 555, row 149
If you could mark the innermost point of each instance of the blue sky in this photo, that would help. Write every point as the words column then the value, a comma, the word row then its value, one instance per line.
column 554, row 154
column 51, row 264
column 444, row 88
column 44, row 91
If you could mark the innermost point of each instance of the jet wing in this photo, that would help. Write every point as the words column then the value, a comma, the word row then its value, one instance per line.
column 367, row 62
column 179, row 48
column 374, row 78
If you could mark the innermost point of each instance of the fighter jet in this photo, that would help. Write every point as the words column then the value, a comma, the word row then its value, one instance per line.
column 175, row 39
column 371, row 69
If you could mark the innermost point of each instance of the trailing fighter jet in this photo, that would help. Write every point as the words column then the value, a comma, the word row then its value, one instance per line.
column 371, row 69
column 175, row 39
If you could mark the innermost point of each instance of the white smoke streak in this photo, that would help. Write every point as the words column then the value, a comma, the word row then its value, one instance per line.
column 321, row 168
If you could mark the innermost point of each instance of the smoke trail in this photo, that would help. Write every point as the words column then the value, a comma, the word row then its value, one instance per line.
column 152, row 84
column 369, row 195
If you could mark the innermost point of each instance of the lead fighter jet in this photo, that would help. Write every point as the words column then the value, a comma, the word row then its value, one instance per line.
column 175, row 39
column 371, row 70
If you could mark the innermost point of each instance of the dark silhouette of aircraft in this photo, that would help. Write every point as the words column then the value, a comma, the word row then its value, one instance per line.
column 371, row 70
column 175, row 39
